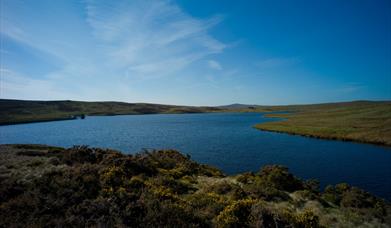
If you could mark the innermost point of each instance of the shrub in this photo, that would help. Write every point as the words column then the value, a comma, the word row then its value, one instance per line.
column 84, row 186
column 266, row 217
column 207, row 205
column 246, row 178
column 330, row 195
column 177, row 186
column 307, row 219
column 263, row 190
column 312, row 185
column 236, row 214
column 165, row 212
column 113, row 177
column 279, row 177
column 222, row 187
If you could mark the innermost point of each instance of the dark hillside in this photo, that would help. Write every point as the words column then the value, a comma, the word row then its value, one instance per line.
column 22, row 111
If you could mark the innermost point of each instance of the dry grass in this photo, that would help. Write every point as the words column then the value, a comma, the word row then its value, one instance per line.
column 368, row 122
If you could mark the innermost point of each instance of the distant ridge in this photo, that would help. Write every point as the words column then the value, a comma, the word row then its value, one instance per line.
column 237, row 106
column 24, row 111
column 27, row 111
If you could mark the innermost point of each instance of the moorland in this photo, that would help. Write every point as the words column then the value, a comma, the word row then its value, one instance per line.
column 360, row 121
column 89, row 187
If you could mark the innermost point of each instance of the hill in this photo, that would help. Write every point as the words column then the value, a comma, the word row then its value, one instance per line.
column 23, row 111
column 81, row 186
column 239, row 106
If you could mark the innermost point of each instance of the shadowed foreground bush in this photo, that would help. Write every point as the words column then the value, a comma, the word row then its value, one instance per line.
column 89, row 187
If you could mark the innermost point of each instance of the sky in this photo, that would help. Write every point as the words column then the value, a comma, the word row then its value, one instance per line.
column 196, row 52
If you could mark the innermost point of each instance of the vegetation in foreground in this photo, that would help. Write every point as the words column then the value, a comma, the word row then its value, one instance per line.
column 89, row 187
column 368, row 122
column 23, row 111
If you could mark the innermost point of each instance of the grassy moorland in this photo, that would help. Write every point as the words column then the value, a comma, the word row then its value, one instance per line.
column 23, row 111
column 361, row 121
column 90, row 187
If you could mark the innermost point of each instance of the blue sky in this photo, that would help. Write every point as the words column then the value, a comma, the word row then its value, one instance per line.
column 196, row 52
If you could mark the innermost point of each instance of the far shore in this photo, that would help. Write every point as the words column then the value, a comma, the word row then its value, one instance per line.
column 358, row 121
column 363, row 122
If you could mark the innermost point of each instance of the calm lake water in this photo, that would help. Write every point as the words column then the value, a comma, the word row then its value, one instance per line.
column 225, row 140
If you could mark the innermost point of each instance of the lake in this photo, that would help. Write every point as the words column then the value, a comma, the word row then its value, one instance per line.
column 225, row 140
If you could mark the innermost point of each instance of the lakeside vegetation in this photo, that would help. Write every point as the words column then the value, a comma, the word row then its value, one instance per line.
column 361, row 121
column 89, row 187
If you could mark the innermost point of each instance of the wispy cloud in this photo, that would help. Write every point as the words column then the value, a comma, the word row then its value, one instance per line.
column 12, row 31
column 214, row 65
column 114, row 45
column 151, row 38
column 15, row 85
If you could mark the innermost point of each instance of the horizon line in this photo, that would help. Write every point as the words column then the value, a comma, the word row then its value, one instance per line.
column 234, row 103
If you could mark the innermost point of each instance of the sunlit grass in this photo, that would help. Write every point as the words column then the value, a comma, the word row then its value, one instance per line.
column 368, row 122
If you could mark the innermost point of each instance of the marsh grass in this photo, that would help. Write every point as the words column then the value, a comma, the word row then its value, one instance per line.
column 368, row 122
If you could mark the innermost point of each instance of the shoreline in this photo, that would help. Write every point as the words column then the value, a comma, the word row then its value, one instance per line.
column 298, row 129
column 129, row 114
column 331, row 138
column 73, row 118
column 36, row 121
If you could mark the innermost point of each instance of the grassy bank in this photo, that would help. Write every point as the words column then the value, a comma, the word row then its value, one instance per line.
column 81, row 186
column 22, row 111
column 368, row 122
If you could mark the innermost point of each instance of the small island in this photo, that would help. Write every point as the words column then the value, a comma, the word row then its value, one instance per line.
column 81, row 186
